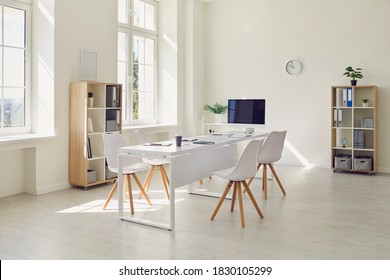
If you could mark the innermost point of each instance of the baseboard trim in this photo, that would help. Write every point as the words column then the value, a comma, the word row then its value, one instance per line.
column 53, row 188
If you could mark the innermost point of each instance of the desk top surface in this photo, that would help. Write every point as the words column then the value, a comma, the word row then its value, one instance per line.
column 169, row 149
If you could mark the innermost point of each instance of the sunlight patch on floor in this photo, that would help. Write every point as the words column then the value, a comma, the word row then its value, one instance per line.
column 140, row 205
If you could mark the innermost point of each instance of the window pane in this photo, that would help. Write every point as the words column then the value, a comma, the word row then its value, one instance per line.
column 123, row 11
column 14, row 27
column 141, row 77
column 149, row 51
column 139, row 14
column 13, row 67
column 135, row 77
column 138, row 49
column 13, row 107
column 135, row 105
column 145, row 105
column 149, row 78
column 150, row 17
column 122, row 46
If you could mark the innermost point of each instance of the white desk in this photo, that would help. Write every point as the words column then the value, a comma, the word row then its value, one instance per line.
column 188, row 164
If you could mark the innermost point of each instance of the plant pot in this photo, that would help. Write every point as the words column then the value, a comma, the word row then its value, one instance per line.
column 365, row 104
column 353, row 82
column 219, row 118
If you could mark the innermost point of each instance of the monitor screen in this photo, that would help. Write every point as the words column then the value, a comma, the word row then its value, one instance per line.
column 249, row 111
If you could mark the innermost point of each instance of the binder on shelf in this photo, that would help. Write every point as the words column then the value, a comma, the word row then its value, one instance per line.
column 340, row 118
column 112, row 120
column 361, row 140
column 339, row 97
column 335, row 122
column 112, row 96
column 349, row 97
column 358, row 139
column 345, row 97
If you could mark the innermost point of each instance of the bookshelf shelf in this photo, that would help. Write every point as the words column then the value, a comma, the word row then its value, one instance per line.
column 356, row 125
column 89, row 120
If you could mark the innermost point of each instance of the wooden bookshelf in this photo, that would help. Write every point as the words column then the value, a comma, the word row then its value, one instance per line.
column 354, row 128
column 89, row 120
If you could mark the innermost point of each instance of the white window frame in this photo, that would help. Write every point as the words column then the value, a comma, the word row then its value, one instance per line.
column 27, row 105
column 131, row 31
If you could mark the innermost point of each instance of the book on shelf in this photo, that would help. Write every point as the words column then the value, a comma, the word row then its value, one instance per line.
column 89, row 148
column 89, row 125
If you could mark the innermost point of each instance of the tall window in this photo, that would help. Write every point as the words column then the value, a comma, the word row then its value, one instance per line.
column 14, row 57
column 137, row 59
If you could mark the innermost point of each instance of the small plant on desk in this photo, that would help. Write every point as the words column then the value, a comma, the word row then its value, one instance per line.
column 216, row 108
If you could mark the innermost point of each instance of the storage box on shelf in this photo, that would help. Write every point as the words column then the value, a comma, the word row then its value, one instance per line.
column 95, row 109
column 354, row 129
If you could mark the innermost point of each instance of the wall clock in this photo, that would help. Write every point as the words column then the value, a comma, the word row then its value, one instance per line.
column 294, row 67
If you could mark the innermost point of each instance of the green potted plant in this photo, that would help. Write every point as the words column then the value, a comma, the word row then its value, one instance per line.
column 354, row 74
column 365, row 102
column 217, row 109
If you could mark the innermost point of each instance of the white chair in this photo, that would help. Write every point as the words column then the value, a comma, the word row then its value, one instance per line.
column 159, row 163
column 244, row 169
column 270, row 152
column 112, row 142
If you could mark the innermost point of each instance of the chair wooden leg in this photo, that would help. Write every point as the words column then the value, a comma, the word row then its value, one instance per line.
column 277, row 178
column 113, row 190
column 229, row 184
column 163, row 179
column 253, row 199
column 265, row 181
column 128, row 183
column 240, row 203
column 165, row 175
column 147, row 181
column 234, row 196
column 251, row 179
column 141, row 188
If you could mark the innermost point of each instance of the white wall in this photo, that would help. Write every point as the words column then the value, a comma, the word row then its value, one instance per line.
column 195, row 59
column 248, row 43
column 168, row 62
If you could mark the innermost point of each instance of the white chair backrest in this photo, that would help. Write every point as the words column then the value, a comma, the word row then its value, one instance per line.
column 272, row 147
column 245, row 167
column 112, row 142
column 141, row 136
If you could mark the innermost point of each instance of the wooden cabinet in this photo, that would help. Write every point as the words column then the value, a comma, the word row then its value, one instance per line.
column 95, row 109
column 354, row 129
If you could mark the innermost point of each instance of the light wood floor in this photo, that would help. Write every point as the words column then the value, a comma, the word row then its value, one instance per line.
column 325, row 215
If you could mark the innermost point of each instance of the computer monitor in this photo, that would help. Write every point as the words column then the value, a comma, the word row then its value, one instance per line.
column 246, row 111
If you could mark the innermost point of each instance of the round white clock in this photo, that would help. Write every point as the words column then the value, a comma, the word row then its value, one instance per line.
column 294, row 67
